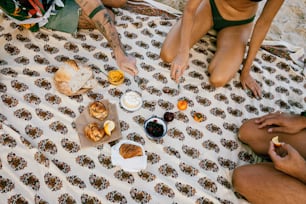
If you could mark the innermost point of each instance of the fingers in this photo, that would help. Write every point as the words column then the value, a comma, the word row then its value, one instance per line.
column 253, row 87
column 269, row 116
column 256, row 91
column 289, row 148
column 278, row 153
column 276, row 129
column 132, row 71
column 130, row 67
column 244, row 86
column 249, row 84
column 173, row 72
column 176, row 73
column 268, row 122
column 271, row 151
column 129, row 71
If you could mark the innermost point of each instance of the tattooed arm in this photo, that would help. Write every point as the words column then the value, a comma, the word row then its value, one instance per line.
column 105, row 25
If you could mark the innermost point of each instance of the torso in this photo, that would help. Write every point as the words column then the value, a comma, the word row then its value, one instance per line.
column 236, row 9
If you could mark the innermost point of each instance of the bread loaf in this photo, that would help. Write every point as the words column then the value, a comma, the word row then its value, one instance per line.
column 130, row 150
column 73, row 80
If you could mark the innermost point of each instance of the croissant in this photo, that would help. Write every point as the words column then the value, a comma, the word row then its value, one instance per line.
column 130, row 150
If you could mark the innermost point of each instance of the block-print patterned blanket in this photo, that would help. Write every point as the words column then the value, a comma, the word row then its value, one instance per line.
column 41, row 158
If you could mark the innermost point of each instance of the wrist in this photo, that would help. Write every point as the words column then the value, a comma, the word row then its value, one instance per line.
column 246, row 67
column 245, row 71
column 119, row 50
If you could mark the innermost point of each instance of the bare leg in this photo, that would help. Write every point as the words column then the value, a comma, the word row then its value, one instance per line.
column 258, row 139
column 231, row 45
column 114, row 3
column 262, row 183
column 200, row 28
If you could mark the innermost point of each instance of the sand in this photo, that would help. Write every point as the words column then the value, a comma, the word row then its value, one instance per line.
column 289, row 24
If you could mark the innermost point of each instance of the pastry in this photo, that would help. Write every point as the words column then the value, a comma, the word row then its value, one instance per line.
column 130, row 150
column 98, row 110
column 71, row 80
column 93, row 132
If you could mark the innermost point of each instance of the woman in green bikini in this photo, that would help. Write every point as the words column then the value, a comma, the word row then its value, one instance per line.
column 233, row 20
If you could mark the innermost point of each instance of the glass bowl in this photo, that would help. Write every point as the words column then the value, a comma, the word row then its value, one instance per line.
column 131, row 101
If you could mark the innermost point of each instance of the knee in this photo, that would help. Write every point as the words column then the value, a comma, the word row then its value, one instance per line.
column 217, row 80
column 250, row 134
column 165, row 56
column 244, row 133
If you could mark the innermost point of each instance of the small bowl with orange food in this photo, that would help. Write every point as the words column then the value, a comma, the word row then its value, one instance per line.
column 116, row 77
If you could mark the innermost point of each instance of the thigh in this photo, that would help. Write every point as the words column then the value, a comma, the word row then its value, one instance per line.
column 231, row 46
column 262, row 183
column 203, row 22
column 259, row 139
column 114, row 3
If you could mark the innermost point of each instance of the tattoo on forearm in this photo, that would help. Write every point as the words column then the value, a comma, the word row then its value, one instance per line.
column 109, row 33
column 108, row 19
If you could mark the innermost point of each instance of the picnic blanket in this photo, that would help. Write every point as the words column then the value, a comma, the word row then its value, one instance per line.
column 42, row 160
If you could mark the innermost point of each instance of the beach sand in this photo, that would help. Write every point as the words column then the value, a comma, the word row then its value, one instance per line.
column 289, row 24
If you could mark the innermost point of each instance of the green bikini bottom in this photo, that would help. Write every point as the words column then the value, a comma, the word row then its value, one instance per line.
column 220, row 22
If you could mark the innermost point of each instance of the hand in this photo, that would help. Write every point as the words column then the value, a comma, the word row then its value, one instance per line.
column 127, row 64
column 248, row 82
column 292, row 164
column 178, row 66
column 281, row 123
